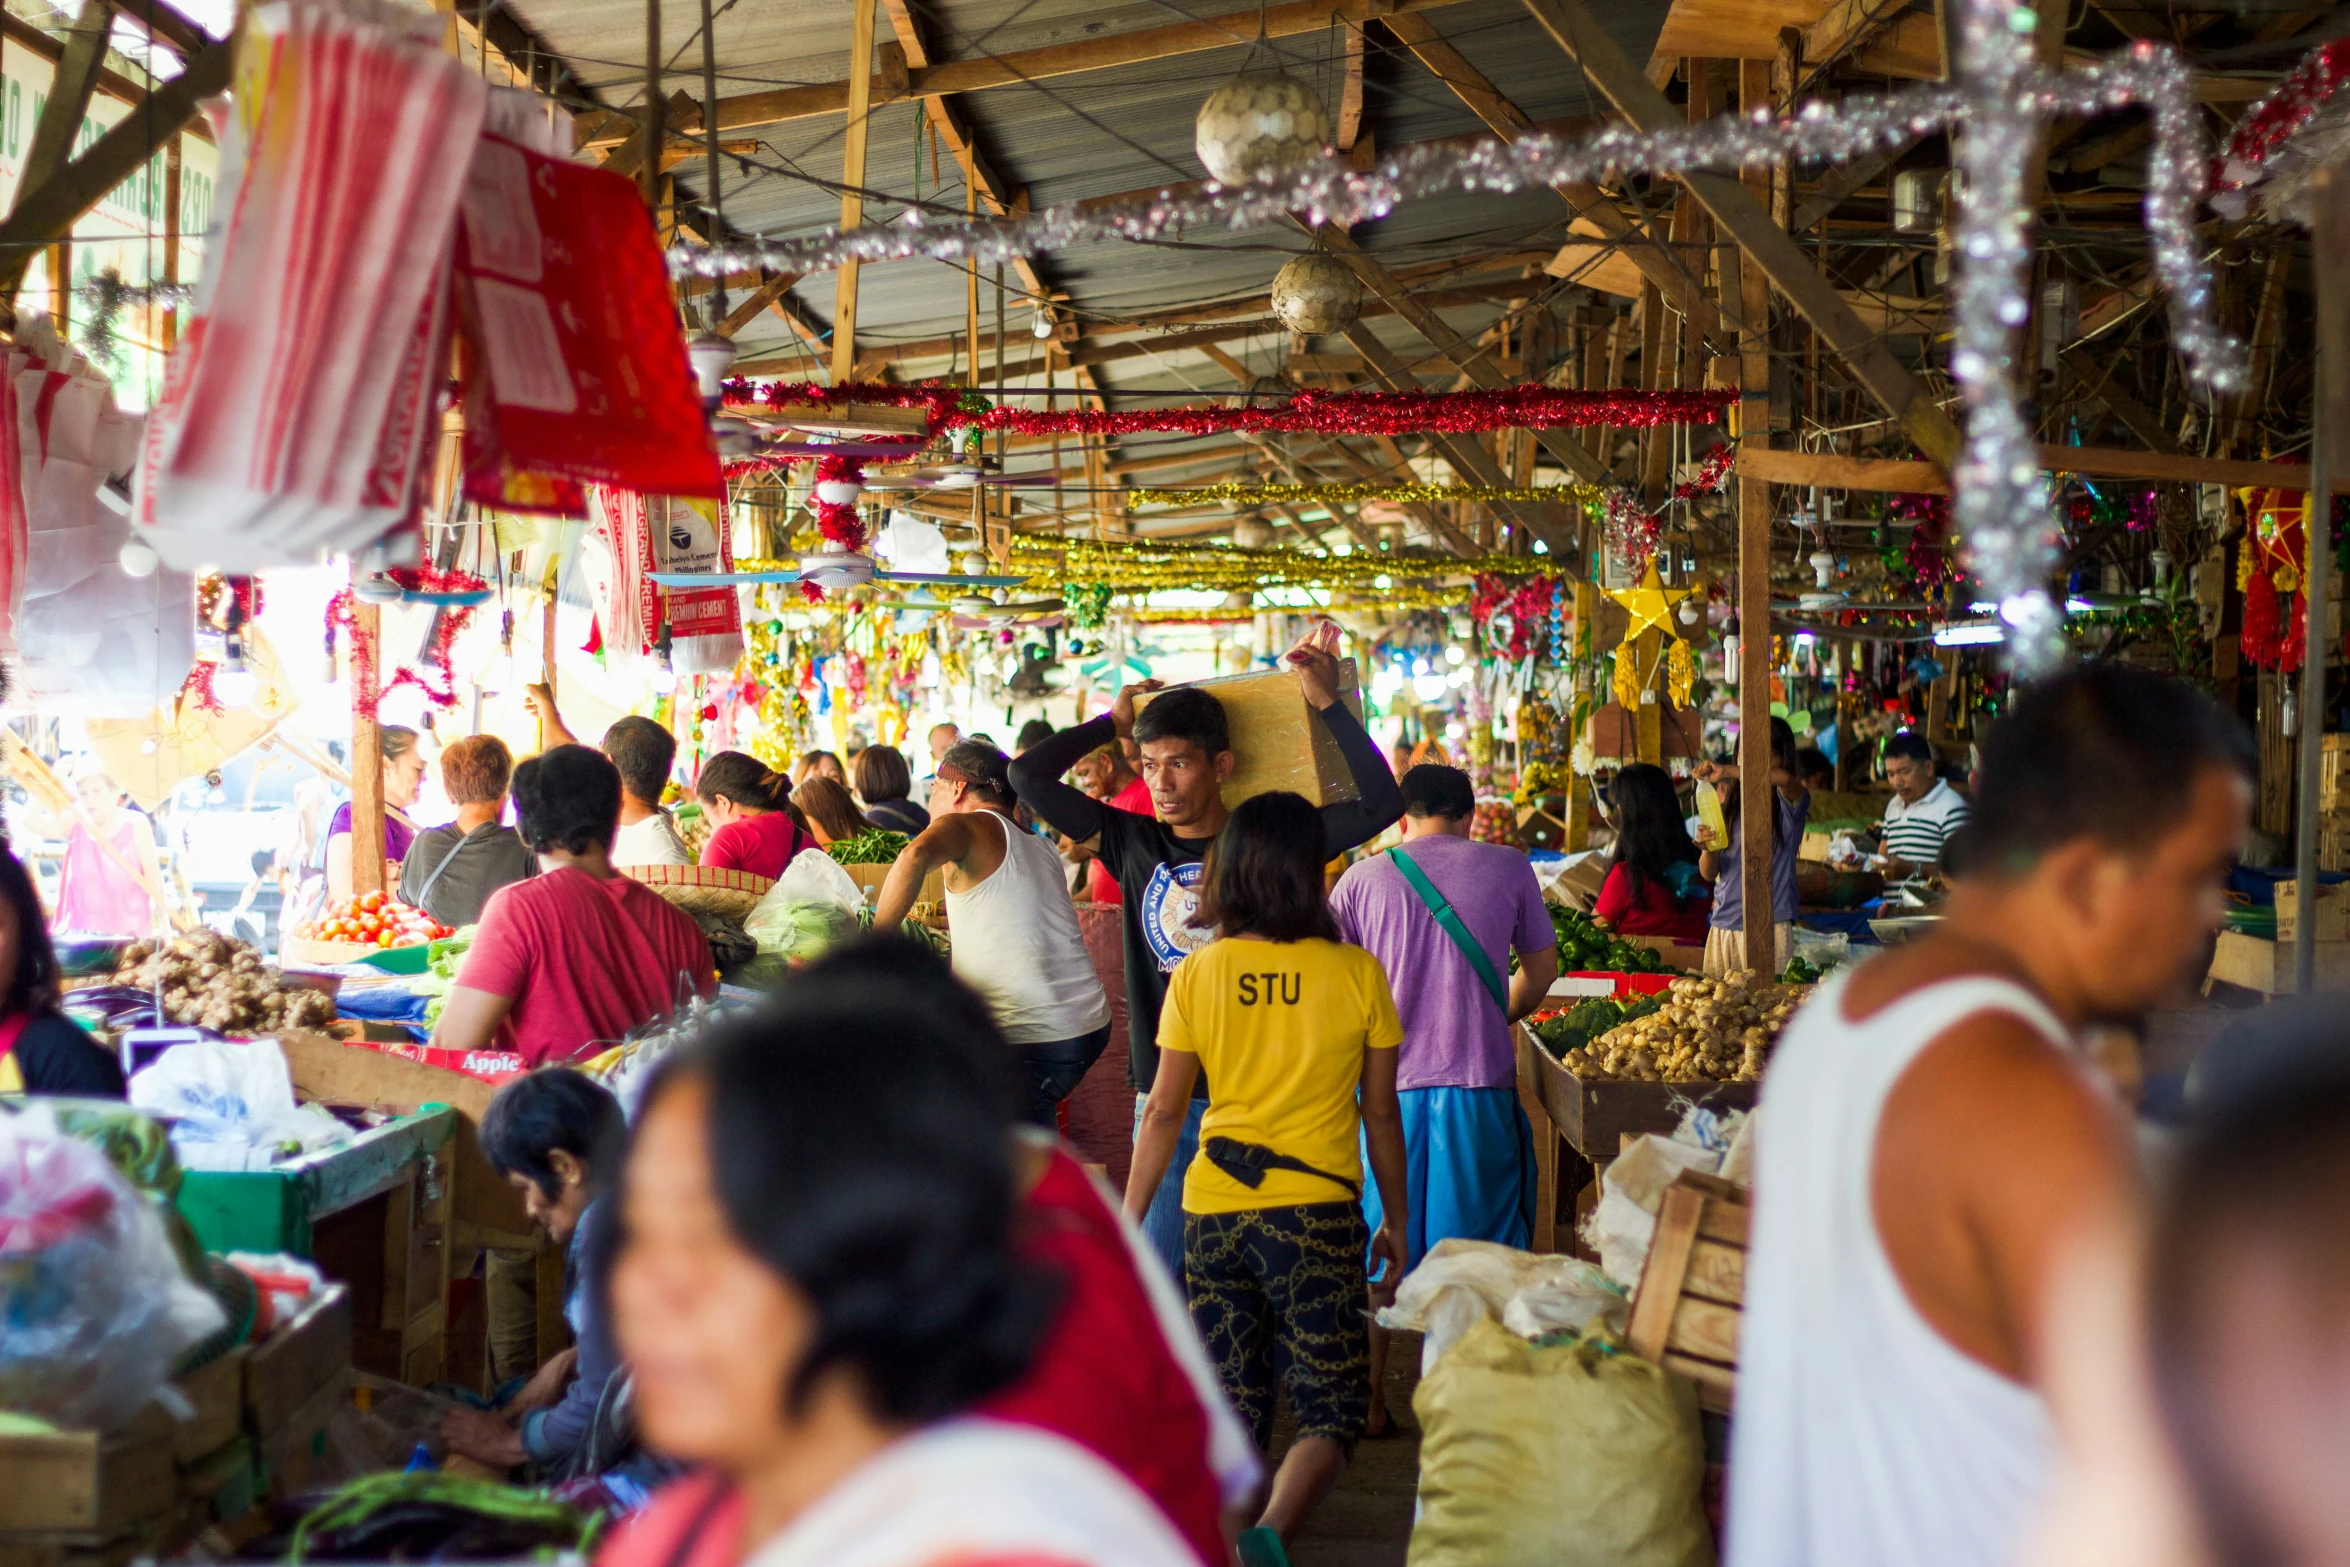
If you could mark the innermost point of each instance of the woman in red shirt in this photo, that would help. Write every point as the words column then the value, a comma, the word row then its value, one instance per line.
column 1653, row 888
column 751, row 805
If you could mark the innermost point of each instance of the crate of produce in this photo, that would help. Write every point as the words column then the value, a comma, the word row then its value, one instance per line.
column 369, row 928
column 1597, row 1114
column 1585, row 947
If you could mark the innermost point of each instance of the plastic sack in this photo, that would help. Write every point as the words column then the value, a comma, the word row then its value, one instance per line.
column 1633, row 1189
column 231, row 1104
column 627, row 1067
column 1461, row 1283
column 95, row 1307
column 1572, row 1455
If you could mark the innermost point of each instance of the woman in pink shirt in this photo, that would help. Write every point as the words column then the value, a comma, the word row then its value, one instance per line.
column 751, row 805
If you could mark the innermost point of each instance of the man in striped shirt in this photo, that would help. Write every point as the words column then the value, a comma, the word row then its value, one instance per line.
column 1923, row 812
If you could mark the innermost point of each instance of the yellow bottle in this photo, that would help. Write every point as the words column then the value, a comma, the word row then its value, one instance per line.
column 1709, row 815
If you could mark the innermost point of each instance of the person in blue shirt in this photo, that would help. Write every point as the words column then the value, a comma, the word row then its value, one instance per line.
column 558, row 1137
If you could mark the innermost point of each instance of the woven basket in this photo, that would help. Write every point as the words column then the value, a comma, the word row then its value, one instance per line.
column 304, row 952
column 703, row 889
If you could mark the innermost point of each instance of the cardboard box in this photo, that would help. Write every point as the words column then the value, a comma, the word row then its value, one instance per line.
column 1277, row 742
column 2333, row 912
column 287, row 1369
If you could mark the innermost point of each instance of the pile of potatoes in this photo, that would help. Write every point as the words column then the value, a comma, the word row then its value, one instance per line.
column 1707, row 1031
column 213, row 982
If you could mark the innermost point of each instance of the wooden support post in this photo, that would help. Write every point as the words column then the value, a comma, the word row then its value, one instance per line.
column 367, row 771
column 852, row 204
column 1757, row 803
column 654, row 129
column 2330, row 229
column 171, row 239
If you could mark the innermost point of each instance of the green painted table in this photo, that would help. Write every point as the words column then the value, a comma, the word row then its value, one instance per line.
column 274, row 1209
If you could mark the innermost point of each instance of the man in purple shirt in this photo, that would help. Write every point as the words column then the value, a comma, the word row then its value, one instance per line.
column 1468, row 1152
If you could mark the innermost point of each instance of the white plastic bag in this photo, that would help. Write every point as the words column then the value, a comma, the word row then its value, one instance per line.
column 1461, row 1283
column 1633, row 1190
column 231, row 1104
column 94, row 1306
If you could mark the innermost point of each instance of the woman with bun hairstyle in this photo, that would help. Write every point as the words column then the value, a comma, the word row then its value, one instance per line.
column 750, row 804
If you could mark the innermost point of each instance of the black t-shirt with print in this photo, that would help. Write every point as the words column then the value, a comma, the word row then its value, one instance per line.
column 55, row 1057
column 1159, row 872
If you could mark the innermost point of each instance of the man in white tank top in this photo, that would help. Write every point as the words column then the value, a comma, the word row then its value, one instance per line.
column 1931, row 1145
column 1014, row 924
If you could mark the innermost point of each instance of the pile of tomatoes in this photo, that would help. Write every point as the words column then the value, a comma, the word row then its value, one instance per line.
column 376, row 920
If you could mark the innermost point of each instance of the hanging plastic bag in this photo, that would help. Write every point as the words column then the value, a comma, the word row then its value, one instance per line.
column 296, row 410
column 231, row 1104
column 649, row 533
column 1572, row 1455
column 94, row 1305
column 582, row 370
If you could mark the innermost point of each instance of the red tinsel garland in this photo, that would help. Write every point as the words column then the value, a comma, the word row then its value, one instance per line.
column 2272, row 637
column 1927, row 555
column 242, row 596
column 448, row 626
column 1471, row 412
column 2272, row 121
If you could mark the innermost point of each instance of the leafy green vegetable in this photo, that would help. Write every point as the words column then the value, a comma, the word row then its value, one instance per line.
column 1799, row 972
column 1585, row 947
column 797, row 930
column 1586, row 1020
column 877, row 846
column 441, row 961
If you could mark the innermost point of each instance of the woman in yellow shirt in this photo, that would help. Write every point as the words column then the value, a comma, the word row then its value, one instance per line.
column 1296, row 1032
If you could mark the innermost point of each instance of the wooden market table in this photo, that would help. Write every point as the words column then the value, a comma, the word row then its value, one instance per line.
column 373, row 1212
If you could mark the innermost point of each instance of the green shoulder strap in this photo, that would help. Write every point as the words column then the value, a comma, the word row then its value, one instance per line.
column 1450, row 922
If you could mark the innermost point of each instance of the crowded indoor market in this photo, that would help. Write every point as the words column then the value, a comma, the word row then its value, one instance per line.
column 997, row 817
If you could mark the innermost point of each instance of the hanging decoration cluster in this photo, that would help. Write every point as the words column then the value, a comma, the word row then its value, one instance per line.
column 448, row 624
column 1238, row 494
column 2268, row 573
column 1477, row 411
column 839, row 481
column 1926, row 557
column 1515, row 616
column 224, row 606
column 2262, row 134
column 1633, row 530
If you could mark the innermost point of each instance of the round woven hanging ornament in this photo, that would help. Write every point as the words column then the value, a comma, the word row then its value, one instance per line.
column 1261, row 125
column 1317, row 294
column 1252, row 533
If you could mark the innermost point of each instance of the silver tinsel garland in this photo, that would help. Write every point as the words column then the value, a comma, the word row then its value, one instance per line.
column 1999, row 105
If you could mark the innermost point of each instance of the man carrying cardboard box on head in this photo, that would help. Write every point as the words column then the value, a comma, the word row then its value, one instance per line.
column 1187, row 755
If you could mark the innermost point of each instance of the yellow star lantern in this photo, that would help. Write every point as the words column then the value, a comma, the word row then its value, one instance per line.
column 1650, row 604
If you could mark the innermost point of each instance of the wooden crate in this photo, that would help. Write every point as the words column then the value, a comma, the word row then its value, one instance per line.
column 1597, row 1116
column 1277, row 743
column 86, row 1483
column 2257, row 963
column 286, row 1369
column 293, row 1456
column 1685, row 1314
column 870, row 877
column 216, row 1391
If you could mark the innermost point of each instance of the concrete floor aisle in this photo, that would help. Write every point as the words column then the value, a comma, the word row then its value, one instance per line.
column 1367, row 1520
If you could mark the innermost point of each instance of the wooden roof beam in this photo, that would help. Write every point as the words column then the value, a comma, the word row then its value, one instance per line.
column 1572, row 453
column 1023, row 66
column 1746, row 221
column 1643, row 254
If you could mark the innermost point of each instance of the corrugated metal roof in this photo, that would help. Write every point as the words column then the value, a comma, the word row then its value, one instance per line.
column 1075, row 137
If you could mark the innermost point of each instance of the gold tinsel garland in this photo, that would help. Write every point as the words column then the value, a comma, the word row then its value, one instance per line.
column 1239, row 494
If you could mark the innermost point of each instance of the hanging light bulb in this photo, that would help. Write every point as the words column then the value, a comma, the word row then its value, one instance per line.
column 138, row 558
column 1043, row 326
column 712, row 357
column 1823, row 566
